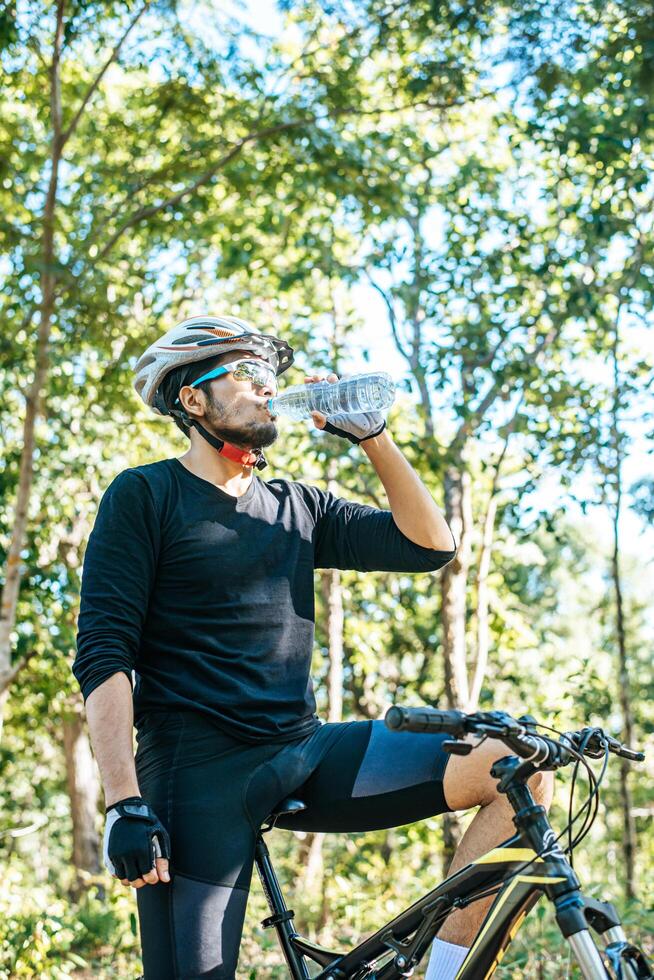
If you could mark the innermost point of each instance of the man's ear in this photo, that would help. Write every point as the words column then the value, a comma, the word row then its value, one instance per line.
column 193, row 401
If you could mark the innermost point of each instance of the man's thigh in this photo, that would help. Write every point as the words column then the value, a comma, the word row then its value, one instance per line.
column 369, row 778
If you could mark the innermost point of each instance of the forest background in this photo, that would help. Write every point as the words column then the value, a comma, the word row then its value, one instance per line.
column 458, row 192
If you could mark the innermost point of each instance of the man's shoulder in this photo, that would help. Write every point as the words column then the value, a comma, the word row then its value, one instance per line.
column 299, row 494
column 149, row 479
column 292, row 488
column 158, row 470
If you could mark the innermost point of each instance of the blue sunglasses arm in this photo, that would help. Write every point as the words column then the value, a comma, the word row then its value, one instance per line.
column 205, row 377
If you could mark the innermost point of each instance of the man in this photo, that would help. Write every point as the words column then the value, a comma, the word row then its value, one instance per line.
column 198, row 578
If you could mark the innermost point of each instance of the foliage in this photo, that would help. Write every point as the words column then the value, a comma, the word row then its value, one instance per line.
column 484, row 173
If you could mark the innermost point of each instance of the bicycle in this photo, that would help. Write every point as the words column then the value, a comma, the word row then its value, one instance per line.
column 519, row 872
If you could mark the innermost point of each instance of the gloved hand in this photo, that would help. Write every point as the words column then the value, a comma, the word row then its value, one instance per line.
column 134, row 838
column 356, row 428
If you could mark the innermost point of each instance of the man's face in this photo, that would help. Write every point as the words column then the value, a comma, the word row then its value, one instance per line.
column 237, row 411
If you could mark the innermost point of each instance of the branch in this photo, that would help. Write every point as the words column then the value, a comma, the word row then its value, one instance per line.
column 55, row 89
column 70, row 129
column 487, row 361
column 392, row 319
column 483, row 568
column 347, row 36
column 150, row 210
column 31, row 828
column 476, row 418
column 8, row 678
column 369, row 492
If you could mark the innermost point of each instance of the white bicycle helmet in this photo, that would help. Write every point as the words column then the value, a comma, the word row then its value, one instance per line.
column 197, row 339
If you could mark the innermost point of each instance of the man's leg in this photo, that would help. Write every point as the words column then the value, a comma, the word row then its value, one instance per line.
column 467, row 784
column 367, row 777
column 190, row 929
column 195, row 778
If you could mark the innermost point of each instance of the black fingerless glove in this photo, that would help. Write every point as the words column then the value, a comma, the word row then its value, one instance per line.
column 356, row 428
column 133, row 837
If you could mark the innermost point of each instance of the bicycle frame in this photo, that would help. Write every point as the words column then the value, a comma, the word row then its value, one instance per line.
column 521, row 869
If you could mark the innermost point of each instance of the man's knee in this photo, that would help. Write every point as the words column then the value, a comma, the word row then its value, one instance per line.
column 468, row 781
column 541, row 785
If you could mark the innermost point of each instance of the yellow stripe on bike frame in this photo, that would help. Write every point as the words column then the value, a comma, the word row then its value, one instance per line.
column 508, row 854
column 501, row 900
column 513, row 931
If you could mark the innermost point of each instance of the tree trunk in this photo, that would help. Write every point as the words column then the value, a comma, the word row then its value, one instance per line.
column 454, row 581
column 11, row 587
column 483, row 569
column 629, row 826
column 624, row 686
column 83, row 791
column 481, row 652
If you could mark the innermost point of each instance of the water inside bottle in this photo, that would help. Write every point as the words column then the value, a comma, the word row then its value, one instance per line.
column 372, row 392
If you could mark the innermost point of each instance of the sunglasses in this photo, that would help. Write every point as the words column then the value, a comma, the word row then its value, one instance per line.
column 257, row 372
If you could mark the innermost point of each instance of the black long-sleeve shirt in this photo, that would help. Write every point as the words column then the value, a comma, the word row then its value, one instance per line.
column 209, row 598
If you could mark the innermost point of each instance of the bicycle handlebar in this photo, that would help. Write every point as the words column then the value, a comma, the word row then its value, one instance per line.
column 518, row 734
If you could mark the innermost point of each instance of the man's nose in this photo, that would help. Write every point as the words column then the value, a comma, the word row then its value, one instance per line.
column 269, row 389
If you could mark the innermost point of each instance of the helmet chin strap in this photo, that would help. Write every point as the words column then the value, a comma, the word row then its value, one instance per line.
column 246, row 457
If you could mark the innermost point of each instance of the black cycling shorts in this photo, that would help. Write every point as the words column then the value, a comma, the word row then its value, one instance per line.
column 213, row 792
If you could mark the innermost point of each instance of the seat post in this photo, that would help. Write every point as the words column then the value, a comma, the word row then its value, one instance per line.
column 282, row 917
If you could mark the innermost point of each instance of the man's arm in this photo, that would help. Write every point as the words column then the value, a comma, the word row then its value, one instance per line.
column 411, row 503
column 119, row 571
column 412, row 506
column 110, row 717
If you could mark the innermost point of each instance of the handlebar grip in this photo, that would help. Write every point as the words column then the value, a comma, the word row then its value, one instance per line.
column 425, row 720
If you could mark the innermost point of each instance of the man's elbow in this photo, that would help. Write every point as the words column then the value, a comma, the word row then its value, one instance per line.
column 441, row 541
column 92, row 671
column 433, row 559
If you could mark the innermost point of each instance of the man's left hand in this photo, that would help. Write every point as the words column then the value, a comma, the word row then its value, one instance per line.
column 357, row 428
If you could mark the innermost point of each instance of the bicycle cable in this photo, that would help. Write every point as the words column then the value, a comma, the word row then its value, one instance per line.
column 593, row 799
column 594, row 784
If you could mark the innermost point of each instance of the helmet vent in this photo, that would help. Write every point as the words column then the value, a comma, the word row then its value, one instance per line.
column 216, row 331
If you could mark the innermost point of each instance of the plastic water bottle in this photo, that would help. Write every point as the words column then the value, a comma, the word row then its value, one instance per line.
column 362, row 393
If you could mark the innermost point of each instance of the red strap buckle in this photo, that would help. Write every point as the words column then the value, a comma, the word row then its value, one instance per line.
column 238, row 455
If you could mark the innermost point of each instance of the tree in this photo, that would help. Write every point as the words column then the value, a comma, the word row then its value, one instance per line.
column 107, row 190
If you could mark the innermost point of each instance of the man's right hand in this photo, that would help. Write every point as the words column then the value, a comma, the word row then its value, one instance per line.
column 136, row 844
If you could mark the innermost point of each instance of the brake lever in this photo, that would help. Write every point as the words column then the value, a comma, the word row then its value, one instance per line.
column 458, row 747
column 454, row 747
column 596, row 739
column 631, row 754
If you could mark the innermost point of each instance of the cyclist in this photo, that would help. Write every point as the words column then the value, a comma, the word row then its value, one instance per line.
column 198, row 582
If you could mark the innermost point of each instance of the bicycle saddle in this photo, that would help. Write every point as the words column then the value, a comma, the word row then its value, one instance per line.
column 287, row 807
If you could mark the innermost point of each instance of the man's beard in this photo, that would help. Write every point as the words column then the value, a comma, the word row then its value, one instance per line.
column 246, row 435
